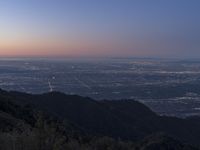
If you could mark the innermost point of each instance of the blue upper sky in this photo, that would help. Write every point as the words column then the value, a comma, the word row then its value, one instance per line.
column 144, row 28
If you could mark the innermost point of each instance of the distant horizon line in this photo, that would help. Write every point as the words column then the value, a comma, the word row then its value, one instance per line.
column 98, row 57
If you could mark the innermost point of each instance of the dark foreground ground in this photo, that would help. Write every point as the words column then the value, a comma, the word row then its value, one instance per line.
column 55, row 121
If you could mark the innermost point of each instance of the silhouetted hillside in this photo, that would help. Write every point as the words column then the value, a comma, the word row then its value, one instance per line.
column 76, row 116
column 162, row 142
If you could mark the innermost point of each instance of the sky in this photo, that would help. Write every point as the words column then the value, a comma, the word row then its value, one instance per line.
column 100, row 28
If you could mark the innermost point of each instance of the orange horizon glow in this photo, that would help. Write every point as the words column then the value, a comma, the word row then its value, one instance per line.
column 57, row 46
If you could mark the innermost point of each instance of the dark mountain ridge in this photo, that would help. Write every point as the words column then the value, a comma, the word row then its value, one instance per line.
column 125, row 119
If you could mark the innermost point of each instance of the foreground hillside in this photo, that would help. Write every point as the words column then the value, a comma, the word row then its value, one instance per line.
column 58, row 121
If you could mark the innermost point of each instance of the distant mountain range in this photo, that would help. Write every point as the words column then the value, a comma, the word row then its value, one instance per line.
column 127, row 120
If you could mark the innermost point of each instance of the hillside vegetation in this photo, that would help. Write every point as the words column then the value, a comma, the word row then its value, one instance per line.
column 55, row 121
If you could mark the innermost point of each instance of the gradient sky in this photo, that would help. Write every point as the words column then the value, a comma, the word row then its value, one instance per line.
column 133, row 28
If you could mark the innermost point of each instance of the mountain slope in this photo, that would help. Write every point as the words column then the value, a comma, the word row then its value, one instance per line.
column 126, row 119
